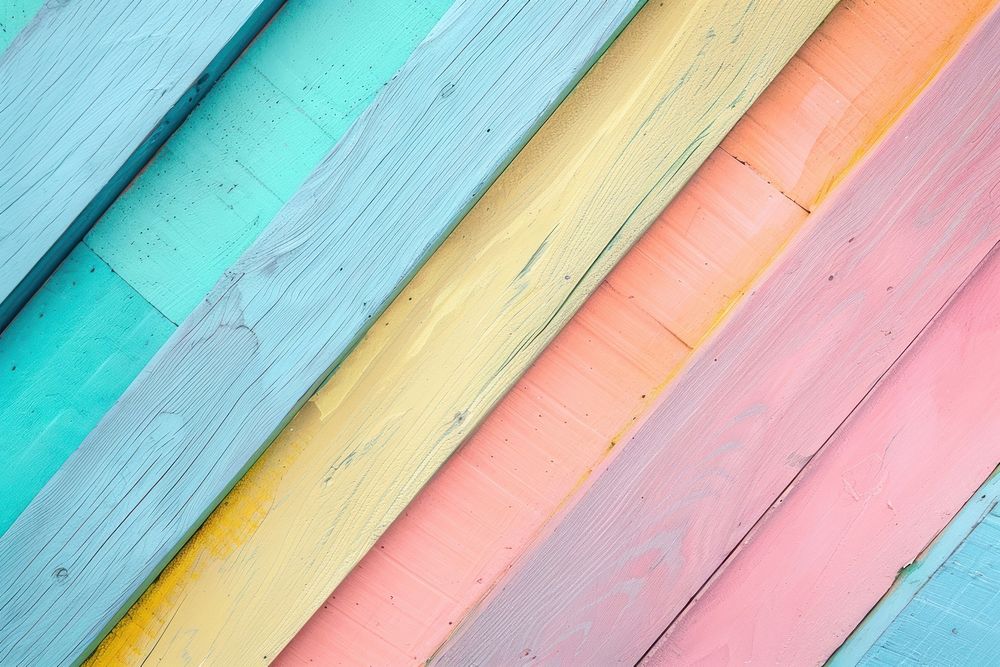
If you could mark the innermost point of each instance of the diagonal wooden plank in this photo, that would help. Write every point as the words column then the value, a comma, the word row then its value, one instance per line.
column 286, row 313
column 887, row 481
column 88, row 91
column 875, row 262
column 462, row 332
column 619, row 352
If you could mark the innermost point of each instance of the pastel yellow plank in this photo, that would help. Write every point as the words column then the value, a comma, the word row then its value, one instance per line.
column 468, row 325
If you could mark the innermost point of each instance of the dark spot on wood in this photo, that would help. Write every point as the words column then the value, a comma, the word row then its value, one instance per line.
column 830, row 278
column 448, row 89
column 60, row 574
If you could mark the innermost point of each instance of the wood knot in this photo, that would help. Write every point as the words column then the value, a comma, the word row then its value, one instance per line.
column 60, row 574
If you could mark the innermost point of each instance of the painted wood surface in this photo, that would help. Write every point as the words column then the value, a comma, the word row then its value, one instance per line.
column 915, row 576
column 593, row 178
column 286, row 314
column 873, row 265
column 85, row 336
column 14, row 15
column 955, row 619
column 878, row 492
column 409, row 591
column 89, row 91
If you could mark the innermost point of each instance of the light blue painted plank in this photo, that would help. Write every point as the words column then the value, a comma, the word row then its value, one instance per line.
column 64, row 360
column 89, row 90
column 954, row 619
column 913, row 578
column 284, row 315
column 253, row 141
column 236, row 159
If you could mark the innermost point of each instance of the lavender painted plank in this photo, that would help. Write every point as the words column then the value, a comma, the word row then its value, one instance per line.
column 871, row 268
column 286, row 313
column 88, row 91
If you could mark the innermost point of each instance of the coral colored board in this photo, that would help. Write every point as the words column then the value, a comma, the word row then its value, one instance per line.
column 89, row 91
column 913, row 577
column 593, row 178
column 954, row 620
column 879, row 491
column 875, row 262
column 285, row 314
column 408, row 592
column 243, row 151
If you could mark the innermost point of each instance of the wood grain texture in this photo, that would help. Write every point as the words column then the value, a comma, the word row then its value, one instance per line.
column 496, row 492
column 954, row 620
column 593, row 178
column 83, row 338
column 874, row 264
column 286, row 314
column 877, row 493
column 89, row 91
column 913, row 577
column 845, row 92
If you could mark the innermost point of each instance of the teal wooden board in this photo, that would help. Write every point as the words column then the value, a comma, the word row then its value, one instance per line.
column 912, row 579
column 201, row 201
column 286, row 313
column 246, row 149
column 954, row 620
column 14, row 15
column 68, row 355
column 89, row 91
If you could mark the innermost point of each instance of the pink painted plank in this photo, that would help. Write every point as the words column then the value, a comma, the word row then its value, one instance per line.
column 877, row 494
column 874, row 264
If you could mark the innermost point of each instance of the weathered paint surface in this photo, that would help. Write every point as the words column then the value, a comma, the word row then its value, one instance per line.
column 593, row 178
column 286, row 313
column 954, row 621
column 68, row 355
column 886, row 482
column 90, row 90
column 912, row 579
column 187, row 216
column 872, row 267
column 14, row 15
column 464, row 530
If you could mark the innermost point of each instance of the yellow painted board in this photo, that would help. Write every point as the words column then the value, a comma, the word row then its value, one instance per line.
column 508, row 278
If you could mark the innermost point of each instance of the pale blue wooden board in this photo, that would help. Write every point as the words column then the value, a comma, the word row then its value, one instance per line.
column 285, row 314
column 954, row 620
column 88, row 91
column 200, row 202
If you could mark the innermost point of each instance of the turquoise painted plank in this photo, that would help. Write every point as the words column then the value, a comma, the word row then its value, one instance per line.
column 14, row 15
column 954, row 619
column 241, row 154
column 89, row 91
column 107, row 332
column 237, row 158
column 283, row 316
column 912, row 579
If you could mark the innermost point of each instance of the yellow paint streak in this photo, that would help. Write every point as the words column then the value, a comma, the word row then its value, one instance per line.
column 576, row 198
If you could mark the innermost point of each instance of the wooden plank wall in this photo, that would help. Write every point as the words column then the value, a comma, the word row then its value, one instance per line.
column 83, row 114
column 407, row 594
column 875, row 263
column 240, row 155
column 913, row 578
column 286, row 313
column 448, row 349
column 877, row 493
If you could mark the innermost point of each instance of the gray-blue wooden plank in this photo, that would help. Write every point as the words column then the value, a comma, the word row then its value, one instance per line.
column 286, row 313
column 88, row 91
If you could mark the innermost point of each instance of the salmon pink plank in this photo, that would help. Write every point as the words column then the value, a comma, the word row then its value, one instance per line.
column 875, row 263
column 463, row 531
column 878, row 492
